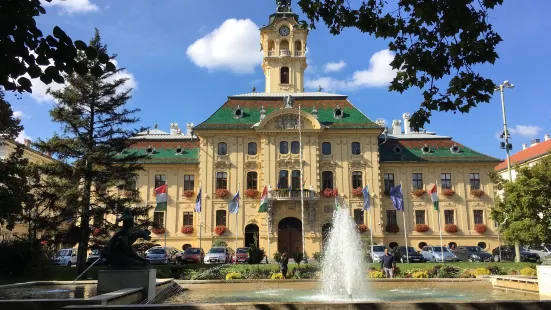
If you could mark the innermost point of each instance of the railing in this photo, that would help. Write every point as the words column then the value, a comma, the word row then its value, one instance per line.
column 284, row 53
column 298, row 54
column 271, row 53
column 293, row 194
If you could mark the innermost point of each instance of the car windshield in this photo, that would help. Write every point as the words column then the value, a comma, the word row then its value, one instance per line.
column 216, row 250
column 157, row 251
column 378, row 249
column 410, row 249
column 474, row 249
column 95, row 252
column 64, row 253
column 437, row 249
column 242, row 251
column 192, row 251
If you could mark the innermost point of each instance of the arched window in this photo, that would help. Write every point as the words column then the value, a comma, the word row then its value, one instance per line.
column 298, row 48
column 356, row 148
column 283, row 181
column 251, row 148
column 222, row 148
column 327, row 180
column 221, row 180
column 271, row 48
column 295, row 147
column 326, row 148
column 284, row 76
column 283, row 147
column 357, row 179
column 295, row 179
column 252, row 180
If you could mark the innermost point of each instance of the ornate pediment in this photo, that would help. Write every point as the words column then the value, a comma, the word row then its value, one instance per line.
column 287, row 119
column 329, row 165
column 222, row 162
column 358, row 164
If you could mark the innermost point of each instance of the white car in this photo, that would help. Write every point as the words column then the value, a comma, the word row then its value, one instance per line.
column 378, row 252
column 65, row 257
column 218, row 255
column 542, row 250
column 434, row 254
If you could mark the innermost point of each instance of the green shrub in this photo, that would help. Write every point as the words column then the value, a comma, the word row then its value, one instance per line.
column 318, row 256
column 495, row 270
column 277, row 257
column 219, row 242
column 448, row 272
column 256, row 254
column 298, row 257
column 234, row 276
column 528, row 271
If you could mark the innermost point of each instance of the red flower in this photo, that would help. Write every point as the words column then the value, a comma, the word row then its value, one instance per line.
column 448, row 192
column 251, row 193
column 158, row 230
column 44, row 242
column 221, row 193
column 362, row 228
column 188, row 193
column 418, row 192
column 328, row 193
column 187, row 229
column 477, row 192
column 357, row 192
column 421, row 228
column 96, row 231
column 480, row 228
column 450, row 228
column 220, row 229
column 392, row 228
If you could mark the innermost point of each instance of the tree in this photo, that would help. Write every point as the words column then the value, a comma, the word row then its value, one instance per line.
column 434, row 40
column 525, row 208
column 92, row 151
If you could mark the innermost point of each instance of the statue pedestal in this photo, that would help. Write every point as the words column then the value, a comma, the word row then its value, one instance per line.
column 114, row 280
column 544, row 281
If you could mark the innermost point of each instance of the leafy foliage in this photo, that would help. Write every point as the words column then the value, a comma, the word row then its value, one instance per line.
column 434, row 41
column 256, row 254
column 219, row 242
column 298, row 257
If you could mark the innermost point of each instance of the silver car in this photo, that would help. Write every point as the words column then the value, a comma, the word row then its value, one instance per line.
column 378, row 252
column 542, row 250
column 434, row 254
column 218, row 255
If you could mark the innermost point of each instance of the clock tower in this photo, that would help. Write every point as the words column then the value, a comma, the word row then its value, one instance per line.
column 283, row 42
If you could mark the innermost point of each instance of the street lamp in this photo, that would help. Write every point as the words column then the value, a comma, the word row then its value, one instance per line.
column 505, row 135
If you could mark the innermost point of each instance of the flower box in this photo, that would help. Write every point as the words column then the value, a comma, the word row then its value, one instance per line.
column 392, row 229
column 251, row 193
column 328, row 193
column 362, row 228
column 357, row 192
column 96, row 232
column 418, row 192
column 480, row 228
column 187, row 229
column 421, row 228
column 188, row 193
column 220, row 229
column 158, row 230
column 450, row 228
column 221, row 193
column 448, row 192
column 477, row 192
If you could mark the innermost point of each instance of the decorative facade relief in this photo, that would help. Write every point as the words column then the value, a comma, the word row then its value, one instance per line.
column 312, row 216
column 270, row 218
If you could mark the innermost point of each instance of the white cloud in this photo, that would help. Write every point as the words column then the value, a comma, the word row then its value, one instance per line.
column 73, row 6
column 334, row 66
column 233, row 46
column 22, row 136
column 526, row 130
column 18, row 114
column 378, row 74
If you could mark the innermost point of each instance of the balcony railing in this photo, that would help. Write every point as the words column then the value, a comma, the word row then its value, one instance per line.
column 271, row 53
column 284, row 53
column 292, row 195
column 298, row 54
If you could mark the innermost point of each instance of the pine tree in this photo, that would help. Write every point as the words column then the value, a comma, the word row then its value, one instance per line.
column 95, row 131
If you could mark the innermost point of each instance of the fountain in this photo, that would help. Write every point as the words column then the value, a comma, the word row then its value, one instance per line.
column 343, row 268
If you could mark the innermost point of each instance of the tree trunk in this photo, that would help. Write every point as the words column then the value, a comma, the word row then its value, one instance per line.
column 517, row 252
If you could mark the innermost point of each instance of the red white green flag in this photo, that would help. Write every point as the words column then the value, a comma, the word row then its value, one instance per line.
column 434, row 196
column 161, row 197
column 264, row 200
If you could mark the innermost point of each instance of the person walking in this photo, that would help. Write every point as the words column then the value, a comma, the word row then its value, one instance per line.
column 283, row 265
column 388, row 263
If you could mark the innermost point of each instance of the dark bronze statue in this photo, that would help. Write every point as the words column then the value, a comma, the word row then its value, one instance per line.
column 283, row 5
column 119, row 250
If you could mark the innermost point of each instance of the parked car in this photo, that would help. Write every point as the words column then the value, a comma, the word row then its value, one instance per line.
column 543, row 250
column 217, row 255
column 241, row 256
column 434, row 254
column 378, row 252
column 161, row 255
column 508, row 254
column 192, row 256
column 414, row 256
column 94, row 256
column 65, row 257
column 473, row 254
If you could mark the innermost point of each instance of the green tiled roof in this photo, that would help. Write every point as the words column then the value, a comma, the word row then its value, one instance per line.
column 165, row 153
column 224, row 118
column 411, row 150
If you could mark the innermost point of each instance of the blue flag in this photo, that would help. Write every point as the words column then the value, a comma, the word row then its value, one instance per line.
column 397, row 198
column 234, row 203
column 365, row 193
column 198, row 202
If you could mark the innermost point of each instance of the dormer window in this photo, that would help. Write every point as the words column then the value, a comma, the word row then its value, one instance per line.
column 149, row 150
column 238, row 113
column 397, row 150
column 455, row 149
column 338, row 112
column 425, row 149
column 179, row 150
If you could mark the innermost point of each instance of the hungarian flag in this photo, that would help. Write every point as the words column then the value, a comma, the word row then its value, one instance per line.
column 434, row 196
column 264, row 200
column 160, row 196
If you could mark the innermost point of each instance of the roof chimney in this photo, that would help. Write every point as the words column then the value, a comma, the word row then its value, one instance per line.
column 396, row 127
column 27, row 143
column 524, row 146
column 173, row 128
column 534, row 142
column 407, row 127
column 546, row 137
column 381, row 122
column 189, row 127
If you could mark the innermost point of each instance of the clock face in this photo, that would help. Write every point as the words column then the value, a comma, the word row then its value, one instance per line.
column 284, row 31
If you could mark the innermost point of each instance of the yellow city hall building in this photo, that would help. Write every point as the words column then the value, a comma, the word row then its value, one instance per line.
column 252, row 141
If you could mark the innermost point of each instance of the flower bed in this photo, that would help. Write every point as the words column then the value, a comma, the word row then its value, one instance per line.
column 188, row 193
column 220, row 229
column 477, row 192
column 418, row 192
column 421, row 228
column 448, row 192
column 251, row 193
column 450, row 228
column 392, row 228
column 362, row 228
column 328, row 193
column 480, row 228
column 221, row 193
column 158, row 230
column 187, row 229
column 357, row 192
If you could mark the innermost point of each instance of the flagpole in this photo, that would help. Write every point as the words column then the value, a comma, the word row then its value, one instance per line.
column 301, row 185
column 166, row 212
column 371, row 232
column 439, row 225
column 200, row 217
column 268, row 230
column 238, row 187
column 405, row 227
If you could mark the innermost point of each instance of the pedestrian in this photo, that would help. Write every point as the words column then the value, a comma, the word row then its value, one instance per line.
column 283, row 265
column 388, row 263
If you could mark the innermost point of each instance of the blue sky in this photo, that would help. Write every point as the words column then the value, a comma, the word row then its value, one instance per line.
column 185, row 57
